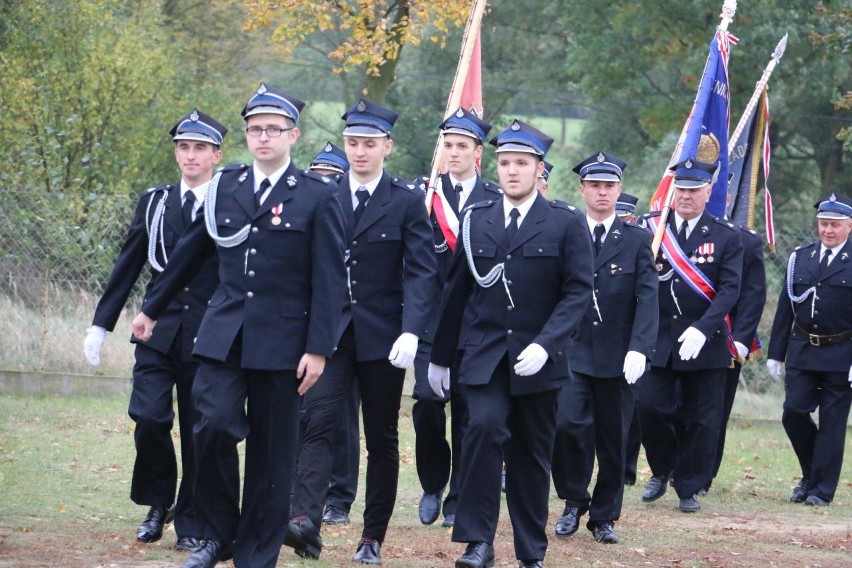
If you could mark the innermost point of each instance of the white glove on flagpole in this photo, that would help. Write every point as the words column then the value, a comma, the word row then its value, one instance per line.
column 403, row 351
column 634, row 366
column 692, row 342
column 531, row 360
column 439, row 379
column 742, row 350
column 776, row 369
column 95, row 336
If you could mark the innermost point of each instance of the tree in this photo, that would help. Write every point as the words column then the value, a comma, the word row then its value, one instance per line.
column 366, row 35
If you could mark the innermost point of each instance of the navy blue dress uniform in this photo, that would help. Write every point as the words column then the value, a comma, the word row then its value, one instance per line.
column 745, row 318
column 391, row 265
column 437, row 460
column 690, row 390
column 812, row 332
column 540, row 298
column 597, row 405
column 164, row 363
column 625, row 206
column 279, row 263
column 343, row 487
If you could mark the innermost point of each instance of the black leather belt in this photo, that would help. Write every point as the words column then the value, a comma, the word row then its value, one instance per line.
column 821, row 340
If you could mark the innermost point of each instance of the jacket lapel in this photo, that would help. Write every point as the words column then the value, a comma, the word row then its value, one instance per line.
column 344, row 196
column 531, row 225
column 496, row 226
column 612, row 243
column 701, row 233
column 837, row 264
column 173, row 213
column 375, row 209
column 244, row 194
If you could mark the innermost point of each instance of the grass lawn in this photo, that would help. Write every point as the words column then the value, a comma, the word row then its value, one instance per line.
column 65, row 468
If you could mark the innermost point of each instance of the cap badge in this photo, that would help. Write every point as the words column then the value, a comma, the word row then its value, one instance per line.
column 601, row 157
column 460, row 113
column 194, row 116
column 362, row 106
column 291, row 181
column 327, row 148
column 261, row 89
column 515, row 126
column 688, row 164
column 833, row 198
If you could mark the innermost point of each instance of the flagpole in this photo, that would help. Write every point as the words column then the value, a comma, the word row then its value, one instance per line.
column 758, row 89
column 729, row 9
column 471, row 32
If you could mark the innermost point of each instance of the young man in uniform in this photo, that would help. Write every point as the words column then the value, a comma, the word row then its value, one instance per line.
column 267, row 332
column 520, row 282
column 391, row 265
column 165, row 363
column 608, row 355
column 437, row 461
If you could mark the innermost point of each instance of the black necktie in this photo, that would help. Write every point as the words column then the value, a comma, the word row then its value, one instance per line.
column 823, row 263
column 188, row 206
column 599, row 233
column 681, row 234
column 455, row 199
column 512, row 227
column 363, row 195
column 258, row 195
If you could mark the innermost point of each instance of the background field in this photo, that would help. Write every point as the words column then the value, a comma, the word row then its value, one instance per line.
column 65, row 467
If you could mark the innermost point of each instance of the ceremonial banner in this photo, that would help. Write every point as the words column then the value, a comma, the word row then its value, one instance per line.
column 710, row 115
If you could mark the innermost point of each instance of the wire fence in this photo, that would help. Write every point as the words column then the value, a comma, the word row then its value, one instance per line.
column 58, row 253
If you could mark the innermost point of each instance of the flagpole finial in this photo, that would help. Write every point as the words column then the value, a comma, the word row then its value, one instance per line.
column 780, row 48
column 729, row 9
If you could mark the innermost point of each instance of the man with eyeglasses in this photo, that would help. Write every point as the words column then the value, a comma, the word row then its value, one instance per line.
column 267, row 332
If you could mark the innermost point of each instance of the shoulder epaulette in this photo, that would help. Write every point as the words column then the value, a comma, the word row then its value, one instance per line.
column 634, row 226
column 805, row 246
column 163, row 187
column 492, row 187
column 232, row 168
column 404, row 184
column 478, row 205
column 318, row 177
column 563, row 205
column 725, row 223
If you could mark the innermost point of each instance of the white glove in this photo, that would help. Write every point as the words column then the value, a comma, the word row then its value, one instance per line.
column 95, row 336
column 742, row 350
column 776, row 369
column 439, row 379
column 403, row 351
column 850, row 377
column 531, row 360
column 634, row 366
column 693, row 340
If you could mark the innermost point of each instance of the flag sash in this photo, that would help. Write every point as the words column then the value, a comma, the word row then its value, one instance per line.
column 691, row 274
column 448, row 222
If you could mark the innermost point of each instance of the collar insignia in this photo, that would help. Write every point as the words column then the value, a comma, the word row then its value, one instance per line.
column 243, row 177
column 291, row 181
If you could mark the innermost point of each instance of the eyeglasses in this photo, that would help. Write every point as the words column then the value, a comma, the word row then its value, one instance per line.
column 272, row 131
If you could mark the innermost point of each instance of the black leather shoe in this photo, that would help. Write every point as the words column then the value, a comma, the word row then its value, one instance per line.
column 335, row 516
column 210, row 553
column 151, row 529
column 800, row 492
column 655, row 488
column 815, row 501
column 567, row 524
column 430, row 507
column 449, row 520
column 368, row 552
column 303, row 536
column 604, row 532
column 188, row 544
column 476, row 555
column 689, row 505
column 530, row 564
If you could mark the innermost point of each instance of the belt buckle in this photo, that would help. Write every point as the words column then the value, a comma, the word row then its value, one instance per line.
column 813, row 340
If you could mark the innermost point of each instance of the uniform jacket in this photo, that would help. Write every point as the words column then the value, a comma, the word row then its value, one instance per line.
column 548, row 270
column 724, row 270
column 745, row 316
column 625, row 281
column 276, row 285
column 392, row 267
column 482, row 191
column 183, row 314
column 832, row 313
